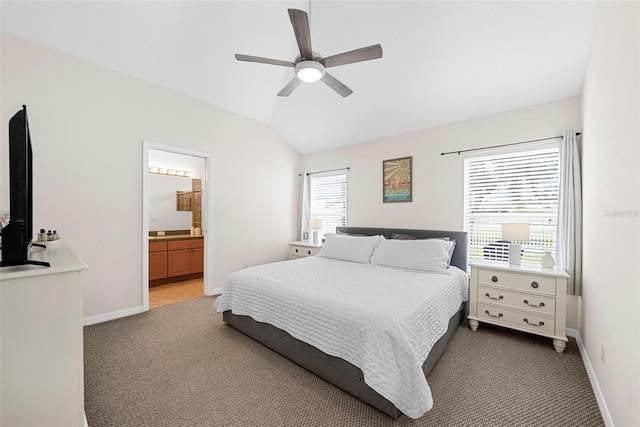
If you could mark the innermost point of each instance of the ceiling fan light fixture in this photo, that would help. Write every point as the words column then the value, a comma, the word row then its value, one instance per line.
column 309, row 71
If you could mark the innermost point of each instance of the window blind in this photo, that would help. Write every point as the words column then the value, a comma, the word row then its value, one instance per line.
column 329, row 201
column 514, row 187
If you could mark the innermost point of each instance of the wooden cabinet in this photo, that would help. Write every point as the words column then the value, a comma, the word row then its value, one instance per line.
column 172, row 259
column 528, row 298
column 197, row 260
column 185, row 257
column 157, row 260
column 179, row 263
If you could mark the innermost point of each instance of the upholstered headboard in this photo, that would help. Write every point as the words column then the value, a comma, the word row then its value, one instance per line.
column 460, row 256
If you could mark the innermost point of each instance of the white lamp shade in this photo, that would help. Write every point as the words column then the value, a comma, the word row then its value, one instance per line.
column 515, row 232
column 315, row 224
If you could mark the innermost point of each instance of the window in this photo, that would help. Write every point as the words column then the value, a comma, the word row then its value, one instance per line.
column 329, row 201
column 514, row 187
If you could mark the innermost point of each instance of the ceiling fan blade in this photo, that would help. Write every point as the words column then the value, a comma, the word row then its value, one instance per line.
column 286, row 91
column 358, row 55
column 300, row 23
column 249, row 58
column 337, row 85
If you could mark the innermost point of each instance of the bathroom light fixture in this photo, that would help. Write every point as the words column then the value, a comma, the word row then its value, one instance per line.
column 172, row 172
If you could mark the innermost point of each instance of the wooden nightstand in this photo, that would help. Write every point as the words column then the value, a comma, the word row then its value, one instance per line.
column 303, row 249
column 528, row 298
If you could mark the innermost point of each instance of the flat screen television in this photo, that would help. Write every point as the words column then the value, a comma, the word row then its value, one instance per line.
column 17, row 235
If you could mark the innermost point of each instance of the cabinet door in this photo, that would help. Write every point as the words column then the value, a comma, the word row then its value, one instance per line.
column 157, row 265
column 197, row 260
column 179, row 262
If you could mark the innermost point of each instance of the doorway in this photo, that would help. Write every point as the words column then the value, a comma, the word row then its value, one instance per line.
column 166, row 228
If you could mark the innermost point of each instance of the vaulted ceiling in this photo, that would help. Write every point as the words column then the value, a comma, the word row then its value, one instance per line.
column 444, row 61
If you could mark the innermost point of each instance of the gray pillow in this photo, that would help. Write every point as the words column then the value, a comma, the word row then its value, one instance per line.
column 342, row 233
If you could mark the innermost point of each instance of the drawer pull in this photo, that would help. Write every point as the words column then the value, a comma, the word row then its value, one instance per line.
column 494, row 279
column 490, row 297
column 533, row 305
column 534, row 285
column 493, row 315
column 533, row 324
column 296, row 250
column 309, row 252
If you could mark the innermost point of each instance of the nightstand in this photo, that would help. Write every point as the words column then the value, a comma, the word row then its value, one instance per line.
column 303, row 249
column 524, row 297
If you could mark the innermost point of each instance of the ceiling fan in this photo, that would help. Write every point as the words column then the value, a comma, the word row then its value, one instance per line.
column 311, row 67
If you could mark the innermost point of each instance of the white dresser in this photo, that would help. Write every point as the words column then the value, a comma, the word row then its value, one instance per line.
column 42, row 364
column 525, row 297
column 303, row 249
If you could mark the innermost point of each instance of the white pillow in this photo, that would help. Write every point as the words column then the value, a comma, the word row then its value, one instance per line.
column 422, row 255
column 349, row 248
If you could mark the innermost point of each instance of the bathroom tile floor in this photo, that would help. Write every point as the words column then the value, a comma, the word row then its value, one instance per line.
column 174, row 292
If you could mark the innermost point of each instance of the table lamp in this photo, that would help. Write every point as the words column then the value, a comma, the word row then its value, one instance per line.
column 315, row 225
column 515, row 232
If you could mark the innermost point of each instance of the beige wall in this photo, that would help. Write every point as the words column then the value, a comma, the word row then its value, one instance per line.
column 88, row 123
column 438, row 181
column 611, row 279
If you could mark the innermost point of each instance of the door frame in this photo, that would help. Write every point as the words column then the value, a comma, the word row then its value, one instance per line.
column 207, row 214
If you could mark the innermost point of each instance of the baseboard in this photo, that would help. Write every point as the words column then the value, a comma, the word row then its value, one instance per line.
column 604, row 411
column 92, row 320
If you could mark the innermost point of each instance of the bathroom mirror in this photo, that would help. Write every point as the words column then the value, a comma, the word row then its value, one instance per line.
column 191, row 201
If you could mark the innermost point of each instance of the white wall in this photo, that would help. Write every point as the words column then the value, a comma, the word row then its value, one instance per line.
column 88, row 123
column 438, row 181
column 610, row 150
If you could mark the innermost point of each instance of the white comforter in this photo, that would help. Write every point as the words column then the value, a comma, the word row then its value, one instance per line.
column 382, row 320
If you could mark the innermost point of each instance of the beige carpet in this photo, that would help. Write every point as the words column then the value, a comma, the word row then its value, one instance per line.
column 180, row 365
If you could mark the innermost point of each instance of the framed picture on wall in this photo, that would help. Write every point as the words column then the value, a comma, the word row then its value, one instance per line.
column 397, row 180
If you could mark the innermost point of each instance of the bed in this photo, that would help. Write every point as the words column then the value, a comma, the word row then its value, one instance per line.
column 297, row 335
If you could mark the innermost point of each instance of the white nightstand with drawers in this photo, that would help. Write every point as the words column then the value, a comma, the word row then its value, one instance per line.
column 525, row 297
column 303, row 249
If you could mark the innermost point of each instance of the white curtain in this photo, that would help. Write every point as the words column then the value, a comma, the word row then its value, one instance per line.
column 305, row 204
column 569, row 234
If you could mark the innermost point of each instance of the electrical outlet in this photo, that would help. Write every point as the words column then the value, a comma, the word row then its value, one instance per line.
column 603, row 351
column 160, row 233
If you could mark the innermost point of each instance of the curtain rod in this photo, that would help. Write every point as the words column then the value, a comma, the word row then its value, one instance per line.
column 328, row 170
column 504, row 145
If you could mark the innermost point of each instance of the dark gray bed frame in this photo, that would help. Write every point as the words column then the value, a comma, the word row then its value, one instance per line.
column 338, row 371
